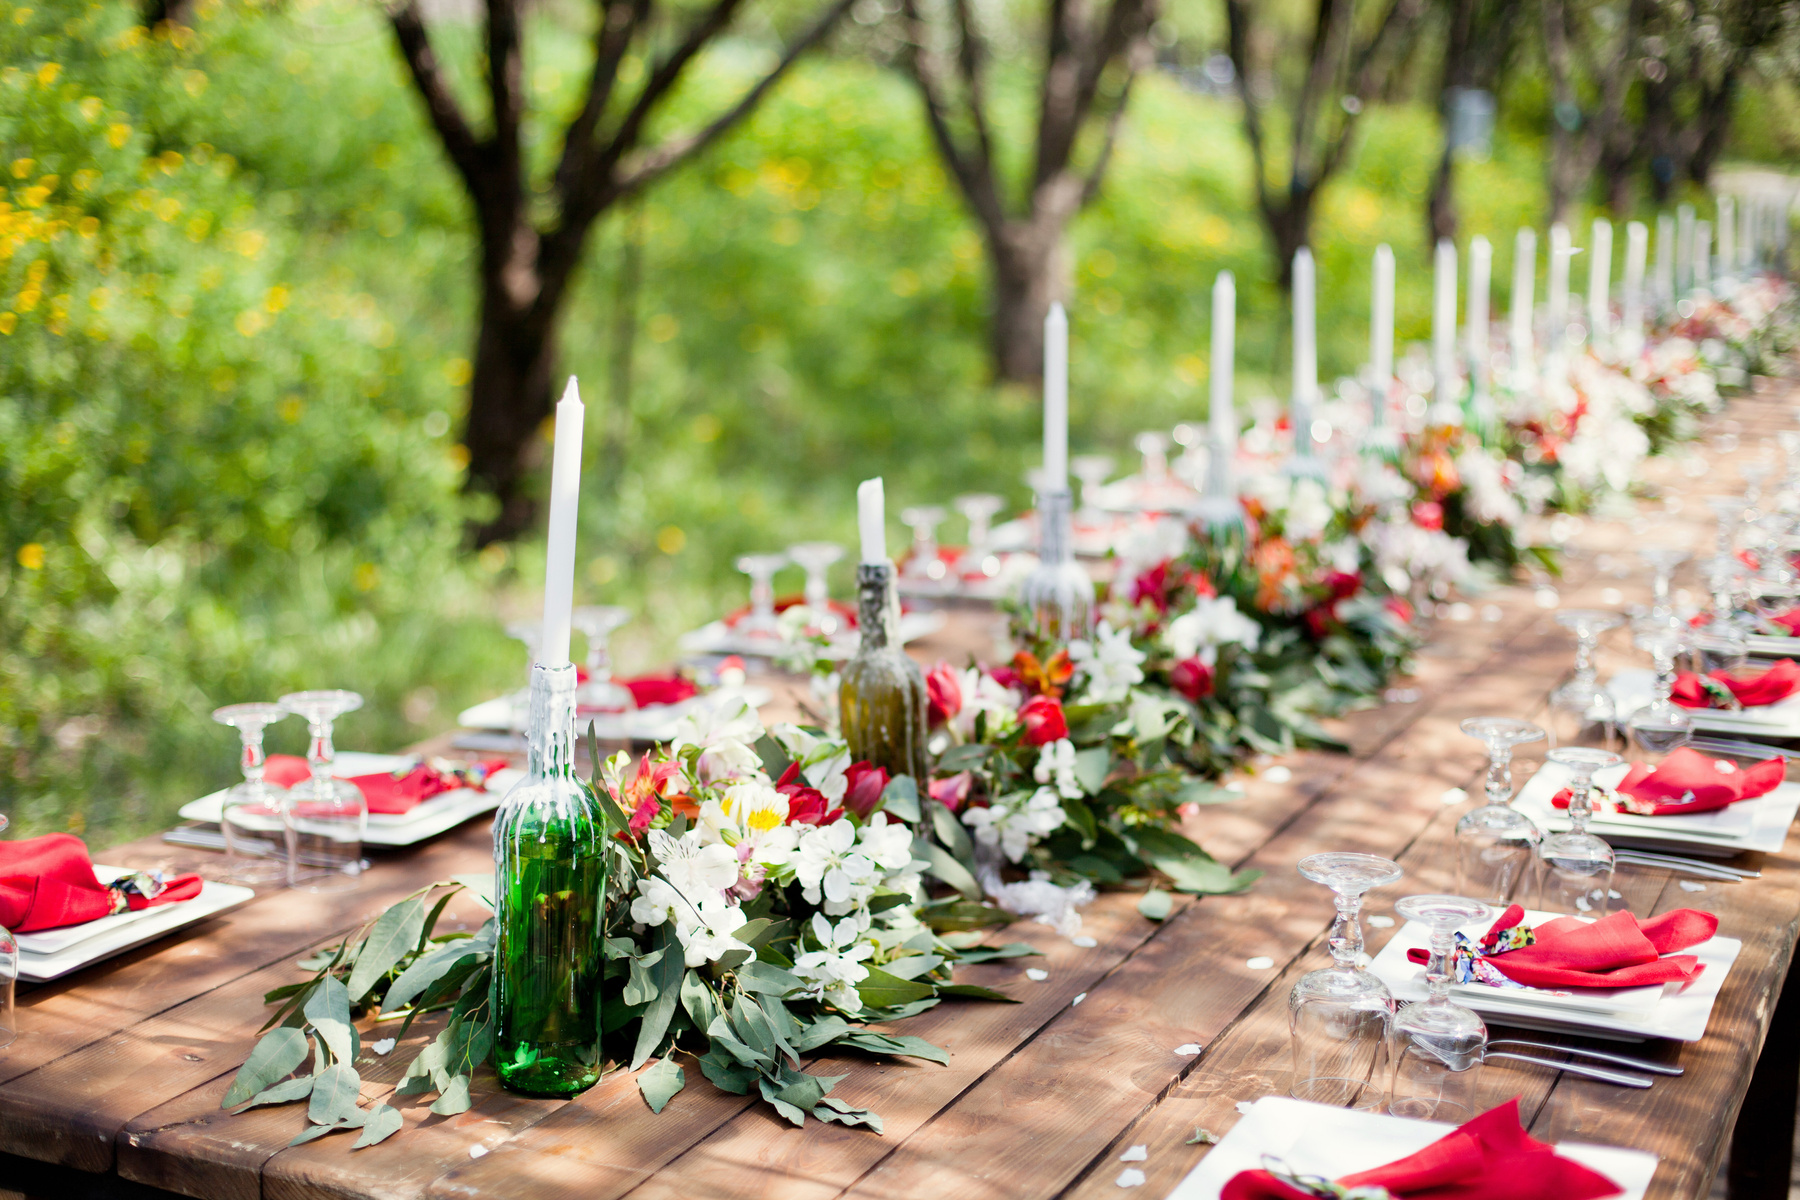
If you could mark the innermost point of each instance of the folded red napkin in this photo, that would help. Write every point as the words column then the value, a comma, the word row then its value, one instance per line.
column 1688, row 782
column 1616, row 951
column 48, row 882
column 649, row 690
column 1752, row 689
column 394, row 793
column 1789, row 620
column 1489, row 1158
column 845, row 612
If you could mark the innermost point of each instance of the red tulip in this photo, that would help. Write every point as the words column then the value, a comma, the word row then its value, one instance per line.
column 944, row 688
column 1192, row 678
column 952, row 792
column 866, row 783
column 806, row 805
column 1042, row 717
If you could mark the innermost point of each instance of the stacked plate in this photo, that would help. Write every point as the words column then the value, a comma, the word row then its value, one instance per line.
column 1759, row 824
column 53, row 953
column 1631, row 690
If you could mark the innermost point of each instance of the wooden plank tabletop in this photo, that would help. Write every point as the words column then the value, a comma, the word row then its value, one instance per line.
column 120, row 1068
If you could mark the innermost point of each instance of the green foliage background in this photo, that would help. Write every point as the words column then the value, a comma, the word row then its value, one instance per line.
column 235, row 310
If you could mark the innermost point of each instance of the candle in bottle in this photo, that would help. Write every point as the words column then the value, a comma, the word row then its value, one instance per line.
column 565, row 498
column 1056, row 398
column 1727, row 234
column 871, row 520
column 1481, row 265
column 1637, row 249
column 1306, row 353
column 1599, row 298
column 1524, row 280
column 1443, row 326
column 1665, row 260
column 1381, row 332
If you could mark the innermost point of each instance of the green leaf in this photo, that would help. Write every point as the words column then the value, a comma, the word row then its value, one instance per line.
column 766, row 979
column 641, row 987
column 726, row 1073
column 950, row 834
column 335, row 1092
column 383, row 1122
column 961, row 758
column 802, row 1093
column 426, row 970
column 276, row 1056
column 890, row 1044
column 757, row 1029
column 900, row 797
column 698, row 999
column 1201, row 791
column 1091, row 768
column 1155, row 904
column 394, row 935
column 666, row 975
column 981, row 954
column 317, row 1131
column 831, row 1109
column 941, row 864
column 821, row 1032
column 328, row 1008
column 882, row 990
column 970, row 991
column 966, row 914
column 285, row 1092
column 774, row 758
column 660, row 1083
column 911, row 966
column 1080, row 818
column 453, row 1099
column 750, row 931
column 773, row 1096
column 481, row 883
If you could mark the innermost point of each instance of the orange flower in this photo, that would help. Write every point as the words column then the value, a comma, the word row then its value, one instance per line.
column 1047, row 678
column 1274, row 562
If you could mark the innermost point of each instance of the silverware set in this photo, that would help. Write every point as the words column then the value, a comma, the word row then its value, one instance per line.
column 1687, row 866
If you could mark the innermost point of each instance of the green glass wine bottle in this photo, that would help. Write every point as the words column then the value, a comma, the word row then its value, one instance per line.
column 550, row 889
column 881, row 693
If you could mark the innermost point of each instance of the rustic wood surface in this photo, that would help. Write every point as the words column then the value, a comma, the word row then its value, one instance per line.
column 120, row 1068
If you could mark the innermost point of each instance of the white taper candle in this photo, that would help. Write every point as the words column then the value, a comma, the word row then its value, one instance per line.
column 1381, row 329
column 565, row 500
column 1637, row 250
column 871, row 520
column 1702, row 254
column 1306, row 352
column 1599, row 297
column 1481, row 268
column 1524, row 283
column 1221, row 413
column 1665, row 260
column 1443, row 323
column 1727, row 235
column 1056, row 398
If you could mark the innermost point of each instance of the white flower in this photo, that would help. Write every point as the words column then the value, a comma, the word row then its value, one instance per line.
column 705, row 932
column 1309, row 511
column 836, row 967
column 822, row 760
column 725, row 734
column 1014, row 822
column 1056, row 765
column 887, row 846
column 695, row 870
column 655, row 899
column 745, row 811
column 1214, row 621
column 982, row 693
column 1110, row 663
column 832, row 871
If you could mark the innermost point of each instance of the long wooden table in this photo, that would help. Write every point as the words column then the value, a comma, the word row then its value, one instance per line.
column 119, row 1069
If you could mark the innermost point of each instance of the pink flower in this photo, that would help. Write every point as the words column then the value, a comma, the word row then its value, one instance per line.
column 806, row 805
column 944, row 689
column 1042, row 717
column 1192, row 678
column 1428, row 515
column 953, row 791
column 864, row 787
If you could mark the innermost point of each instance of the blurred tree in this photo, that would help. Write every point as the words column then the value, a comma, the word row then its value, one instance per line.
column 1480, row 38
column 532, row 235
column 1593, row 45
column 1347, row 52
column 947, row 54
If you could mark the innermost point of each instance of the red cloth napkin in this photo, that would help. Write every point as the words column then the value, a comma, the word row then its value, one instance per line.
column 648, row 690
column 48, row 882
column 1616, row 951
column 1789, row 620
column 1688, row 782
column 845, row 612
column 386, row 792
column 1490, row 1158
column 1753, row 689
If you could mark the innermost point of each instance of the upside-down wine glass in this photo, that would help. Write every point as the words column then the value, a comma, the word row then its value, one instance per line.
column 1728, row 511
column 597, row 622
column 1495, row 842
column 979, row 509
column 761, row 568
column 1091, row 470
column 1339, row 1016
column 815, row 558
column 326, row 817
column 923, row 562
column 1661, row 725
column 9, row 974
column 1774, row 532
column 529, row 632
column 1753, row 473
column 1581, row 712
column 1727, row 581
column 1153, row 445
column 253, row 815
column 1575, row 868
column 1438, row 1045
column 1662, row 561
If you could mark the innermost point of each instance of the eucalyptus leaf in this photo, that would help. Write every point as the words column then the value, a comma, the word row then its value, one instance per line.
column 1092, row 767
column 335, row 1093
column 426, row 970
column 825, row 1030
column 481, row 883
column 766, row 979
column 666, row 975
column 970, row 991
column 641, row 987
column 698, row 999
column 940, row 863
column 285, row 1092
column 950, row 833
column 901, row 798
column 276, row 1055
column 317, row 1131
column 660, row 1083
column 328, row 1009
column 394, row 935
column 383, row 1122
column 726, row 1073
column 453, row 1099
column 887, row 1043
column 802, row 1093
column 913, row 965
column 1155, row 904
column 831, row 1109
column 981, row 954
column 882, row 990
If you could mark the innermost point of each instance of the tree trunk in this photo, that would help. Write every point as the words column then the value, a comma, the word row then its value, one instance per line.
column 1440, row 211
column 1290, row 228
column 1026, row 261
column 510, row 396
column 616, row 447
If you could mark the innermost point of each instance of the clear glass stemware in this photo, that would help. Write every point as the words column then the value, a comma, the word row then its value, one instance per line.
column 1581, row 712
column 979, row 509
column 761, row 568
column 326, row 817
column 1575, row 868
column 1723, row 650
column 1092, row 470
column 253, row 815
column 1662, row 561
column 815, row 558
column 1495, row 842
column 9, row 974
column 1661, row 725
column 923, row 519
column 530, row 633
column 1438, row 1045
column 1338, row 1016
column 597, row 622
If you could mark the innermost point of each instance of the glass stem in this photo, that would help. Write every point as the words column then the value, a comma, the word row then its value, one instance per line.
column 1437, row 968
column 252, row 762
column 1665, row 678
column 320, row 754
column 1499, row 775
column 1579, row 803
column 1584, row 656
column 1346, row 932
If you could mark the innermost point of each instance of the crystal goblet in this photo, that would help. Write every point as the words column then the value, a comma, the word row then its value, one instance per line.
column 1581, row 712
column 815, row 558
column 1338, row 1016
column 1662, row 561
column 1437, row 1045
column 1575, row 868
column 980, row 509
column 923, row 561
column 326, row 817
column 1724, row 650
column 1495, row 842
column 1091, row 470
column 1153, row 445
column 761, row 568
column 253, row 815
column 596, row 622
column 1661, row 725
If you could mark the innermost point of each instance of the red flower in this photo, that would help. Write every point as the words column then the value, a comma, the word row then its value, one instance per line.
column 1203, row 587
column 1343, row 584
column 806, row 805
column 643, row 796
column 1192, row 678
column 866, row 783
column 944, row 688
column 1401, row 608
column 643, row 814
column 1428, row 515
column 953, row 791
column 1153, row 585
column 1042, row 717
column 1046, row 678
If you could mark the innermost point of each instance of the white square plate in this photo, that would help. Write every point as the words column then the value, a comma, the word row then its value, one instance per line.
column 654, row 724
column 1633, row 689
column 1674, row 1012
column 1759, row 824
column 53, row 953
column 1315, row 1139
column 444, row 811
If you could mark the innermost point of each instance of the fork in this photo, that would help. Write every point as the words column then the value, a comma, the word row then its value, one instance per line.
column 1689, row 866
column 1617, row 1060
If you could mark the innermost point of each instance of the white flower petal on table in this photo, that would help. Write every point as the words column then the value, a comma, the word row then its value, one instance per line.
column 1261, row 962
column 1380, row 921
column 1085, row 942
column 1135, row 1154
column 1452, row 796
column 1078, row 1000
column 1188, row 1048
column 1688, row 885
column 477, row 1150
column 1278, row 774
column 1130, row 1177
column 383, row 1046
column 1243, row 1106
column 1036, row 973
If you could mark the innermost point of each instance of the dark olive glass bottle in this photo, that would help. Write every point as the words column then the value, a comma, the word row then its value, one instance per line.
column 549, row 893
column 881, row 693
